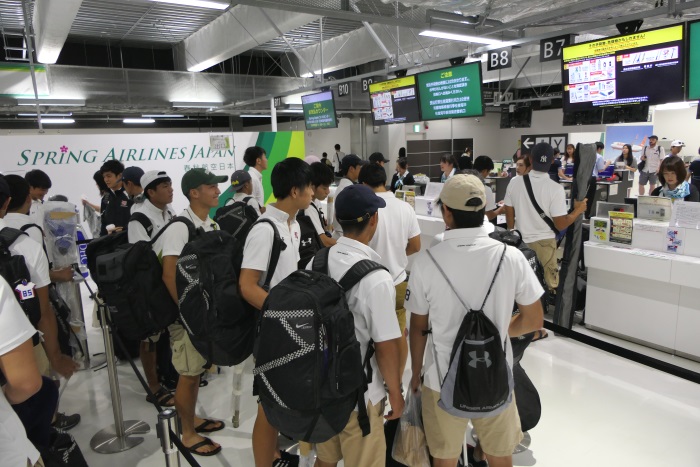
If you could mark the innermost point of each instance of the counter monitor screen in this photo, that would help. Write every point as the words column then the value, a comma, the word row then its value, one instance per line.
column 644, row 67
column 694, row 61
column 394, row 101
column 319, row 111
column 451, row 92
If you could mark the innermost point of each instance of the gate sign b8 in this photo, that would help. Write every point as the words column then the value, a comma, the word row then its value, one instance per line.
column 499, row 59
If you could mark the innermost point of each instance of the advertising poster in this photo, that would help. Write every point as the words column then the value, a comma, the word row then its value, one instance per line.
column 618, row 135
column 621, row 226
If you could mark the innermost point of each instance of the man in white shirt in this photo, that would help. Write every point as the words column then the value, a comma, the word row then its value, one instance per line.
column 201, row 188
column 339, row 155
column 157, row 195
column 256, row 159
column 653, row 155
column 397, row 237
column 676, row 148
column 434, row 306
column 350, row 169
column 39, row 185
column 131, row 179
column 20, row 369
column 291, row 185
column 242, row 186
column 484, row 165
column 550, row 197
column 371, row 302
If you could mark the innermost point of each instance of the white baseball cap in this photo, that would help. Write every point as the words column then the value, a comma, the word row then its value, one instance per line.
column 153, row 175
column 678, row 143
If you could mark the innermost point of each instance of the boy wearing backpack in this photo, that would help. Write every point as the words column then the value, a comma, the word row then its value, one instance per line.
column 502, row 275
column 371, row 302
column 256, row 160
column 242, row 185
column 200, row 187
column 154, row 212
column 291, row 185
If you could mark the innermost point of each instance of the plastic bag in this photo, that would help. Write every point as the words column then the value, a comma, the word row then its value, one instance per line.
column 410, row 447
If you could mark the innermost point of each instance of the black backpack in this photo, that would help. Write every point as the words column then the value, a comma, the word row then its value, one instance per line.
column 219, row 322
column 237, row 219
column 130, row 279
column 309, row 243
column 478, row 383
column 14, row 270
column 309, row 371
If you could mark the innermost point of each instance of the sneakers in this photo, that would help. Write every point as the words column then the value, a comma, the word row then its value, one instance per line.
column 65, row 422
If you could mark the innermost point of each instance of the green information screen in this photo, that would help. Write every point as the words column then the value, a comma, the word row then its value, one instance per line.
column 694, row 61
column 319, row 111
column 451, row 92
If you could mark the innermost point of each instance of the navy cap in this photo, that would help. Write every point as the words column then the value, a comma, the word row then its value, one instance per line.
column 239, row 178
column 351, row 160
column 654, row 137
column 133, row 175
column 357, row 203
column 4, row 186
column 542, row 157
column 377, row 157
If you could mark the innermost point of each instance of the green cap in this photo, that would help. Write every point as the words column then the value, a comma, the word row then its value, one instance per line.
column 194, row 178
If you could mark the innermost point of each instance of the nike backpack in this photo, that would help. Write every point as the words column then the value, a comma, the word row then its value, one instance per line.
column 14, row 270
column 309, row 243
column 219, row 322
column 309, row 370
column 130, row 280
column 237, row 219
column 478, row 382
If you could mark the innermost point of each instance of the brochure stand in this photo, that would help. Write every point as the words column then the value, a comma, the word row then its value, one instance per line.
column 117, row 437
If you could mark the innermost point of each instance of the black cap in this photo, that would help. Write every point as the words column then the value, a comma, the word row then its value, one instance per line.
column 351, row 160
column 377, row 157
column 542, row 157
column 4, row 186
column 357, row 203
column 654, row 136
column 133, row 175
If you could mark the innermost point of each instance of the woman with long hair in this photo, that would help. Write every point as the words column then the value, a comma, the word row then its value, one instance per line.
column 627, row 158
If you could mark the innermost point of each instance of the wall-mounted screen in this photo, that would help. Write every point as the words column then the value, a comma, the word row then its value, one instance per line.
column 451, row 92
column 644, row 67
column 694, row 61
column 319, row 111
column 394, row 101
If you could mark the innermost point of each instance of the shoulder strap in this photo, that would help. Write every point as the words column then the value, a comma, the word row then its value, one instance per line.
column 277, row 246
column 191, row 229
column 493, row 281
column 26, row 227
column 145, row 222
column 543, row 216
column 8, row 236
column 320, row 263
column 357, row 272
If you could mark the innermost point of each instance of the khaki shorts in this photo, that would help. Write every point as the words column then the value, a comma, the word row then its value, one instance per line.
column 400, row 310
column 445, row 433
column 358, row 451
column 186, row 360
column 42, row 361
column 546, row 251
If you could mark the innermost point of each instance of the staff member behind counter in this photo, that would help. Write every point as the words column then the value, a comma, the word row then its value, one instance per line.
column 673, row 175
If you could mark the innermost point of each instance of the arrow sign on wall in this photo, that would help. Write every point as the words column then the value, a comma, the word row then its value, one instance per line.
column 527, row 143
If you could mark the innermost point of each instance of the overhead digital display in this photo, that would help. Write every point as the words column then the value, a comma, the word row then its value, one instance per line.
column 694, row 61
column 644, row 67
column 451, row 92
column 394, row 101
column 319, row 111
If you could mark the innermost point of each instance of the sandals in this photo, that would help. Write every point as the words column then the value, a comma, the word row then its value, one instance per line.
column 540, row 335
column 205, row 426
column 286, row 460
column 164, row 398
column 206, row 442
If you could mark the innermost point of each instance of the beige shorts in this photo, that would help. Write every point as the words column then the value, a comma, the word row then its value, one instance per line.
column 498, row 435
column 349, row 444
column 400, row 310
column 42, row 361
column 546, row 251
column 186, row 360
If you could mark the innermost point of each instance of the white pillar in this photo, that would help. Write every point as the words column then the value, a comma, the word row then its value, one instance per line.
column 273, row 114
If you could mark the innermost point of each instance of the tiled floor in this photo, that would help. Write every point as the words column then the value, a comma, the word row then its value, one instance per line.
column 598, row 410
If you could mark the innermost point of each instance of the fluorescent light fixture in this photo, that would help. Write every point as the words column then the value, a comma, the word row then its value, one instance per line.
column 197, row 105
column 255, row 116
column 69, row 114
column 461, row 37
column 52, row 102
column 198, row 3
column 163, row 116
column 57, row 121
column 291, row 111
column 138, row 120
column 673, row 106
column 306, row 75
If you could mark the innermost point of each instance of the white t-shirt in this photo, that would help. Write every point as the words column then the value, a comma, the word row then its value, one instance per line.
column 256, row 180
column 17, row 221
column 159, row 218
column 314, row 213
column 490, row 198
column 372, row 302
column 549, row 195
column 177, row 235
column 34, row 258
column 252, row 202
column 342, row 184
column 258, row 246
column 654, row 157
column 15, row 329
column 429, row 293
column 36, row 212
column 397, row 224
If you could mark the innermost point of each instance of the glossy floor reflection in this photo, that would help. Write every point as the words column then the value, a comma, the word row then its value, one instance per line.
column 598, row 410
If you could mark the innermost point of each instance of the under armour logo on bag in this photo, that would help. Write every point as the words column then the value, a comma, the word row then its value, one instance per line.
column 474, row 359
column 306, row 242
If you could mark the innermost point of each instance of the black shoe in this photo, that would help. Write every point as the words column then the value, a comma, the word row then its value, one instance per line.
column 65, row 422
column 472, row 461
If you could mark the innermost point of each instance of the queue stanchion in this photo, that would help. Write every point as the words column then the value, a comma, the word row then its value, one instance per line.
column 168, row 422
column 118, row 437
column 237, row 392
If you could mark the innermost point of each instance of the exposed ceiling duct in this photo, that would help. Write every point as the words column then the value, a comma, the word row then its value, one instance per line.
column 52, row 22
